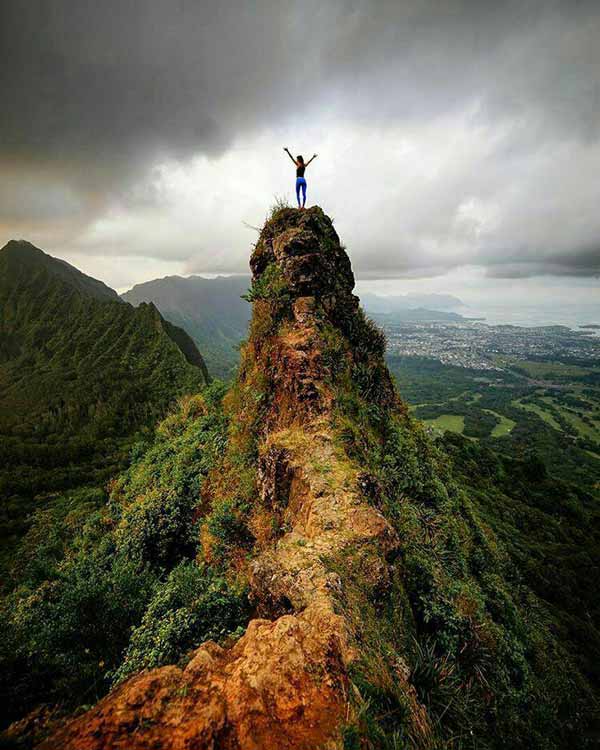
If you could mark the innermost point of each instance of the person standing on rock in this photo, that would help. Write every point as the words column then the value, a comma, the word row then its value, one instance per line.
column 300, row 181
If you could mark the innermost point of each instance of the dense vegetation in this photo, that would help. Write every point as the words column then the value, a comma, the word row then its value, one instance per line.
column 550, row 529
column 81, row 373
column 104, row 590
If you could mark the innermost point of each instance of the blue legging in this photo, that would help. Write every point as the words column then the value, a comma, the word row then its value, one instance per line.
column 301, row 183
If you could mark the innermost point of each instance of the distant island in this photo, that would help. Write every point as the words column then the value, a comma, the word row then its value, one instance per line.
column 595, row 326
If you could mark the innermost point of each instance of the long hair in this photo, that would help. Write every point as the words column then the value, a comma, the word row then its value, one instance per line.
column 300, row 158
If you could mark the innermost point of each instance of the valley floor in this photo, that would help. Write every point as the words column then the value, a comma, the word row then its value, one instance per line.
column 547, row 407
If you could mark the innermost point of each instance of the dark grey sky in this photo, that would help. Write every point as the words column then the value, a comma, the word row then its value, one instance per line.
column 451, row 134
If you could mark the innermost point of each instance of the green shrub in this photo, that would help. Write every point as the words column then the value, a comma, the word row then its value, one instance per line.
column 51, row 531
column 158, row 498
column 159, row 529
column 227, row 523
column 281, row 203
column 270, row 285
column 193, row 605
column 60, row 639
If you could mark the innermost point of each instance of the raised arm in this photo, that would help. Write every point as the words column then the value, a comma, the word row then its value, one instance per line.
column 314, row 156
column 287, row 151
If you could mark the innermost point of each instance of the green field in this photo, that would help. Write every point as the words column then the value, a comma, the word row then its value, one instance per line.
column 559, row 424
column 464, row 395
column 535, row 409
column 577, row 423
column 451, row 422
column 504, row 428
column 550, row 370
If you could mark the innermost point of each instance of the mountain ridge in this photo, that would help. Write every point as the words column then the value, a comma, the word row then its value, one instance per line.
column 384, row 612
column 81, row 372
column 25, row 254
column 211, row 311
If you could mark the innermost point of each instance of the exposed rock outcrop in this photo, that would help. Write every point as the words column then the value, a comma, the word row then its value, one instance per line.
column 284, row 683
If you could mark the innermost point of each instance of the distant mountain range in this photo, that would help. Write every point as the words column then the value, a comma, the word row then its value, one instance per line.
column 215, row 316
column 418, row 315
column 210, row 310
column 81, row 372
column 375, row 303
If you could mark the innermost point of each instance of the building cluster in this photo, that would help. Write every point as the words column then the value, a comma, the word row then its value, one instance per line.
column 477, row 345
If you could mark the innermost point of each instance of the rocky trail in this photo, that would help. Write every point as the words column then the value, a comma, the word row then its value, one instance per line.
column 284, row 683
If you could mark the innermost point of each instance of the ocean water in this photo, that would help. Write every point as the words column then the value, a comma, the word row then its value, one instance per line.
column 573, row 316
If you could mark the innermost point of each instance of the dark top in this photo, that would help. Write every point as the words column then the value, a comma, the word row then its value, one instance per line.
column 300, row 170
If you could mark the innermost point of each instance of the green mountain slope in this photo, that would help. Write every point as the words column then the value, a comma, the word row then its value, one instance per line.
column 80, row 372
column 550, row 529
column 210, row 310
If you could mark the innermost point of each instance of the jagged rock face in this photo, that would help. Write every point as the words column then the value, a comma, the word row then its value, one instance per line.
column 315, row 283
column 307, row 249
column 285, row 683
column 273, row 689
column 315, row 267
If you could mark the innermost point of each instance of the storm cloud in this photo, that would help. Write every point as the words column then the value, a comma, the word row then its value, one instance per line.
column 451, row 134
